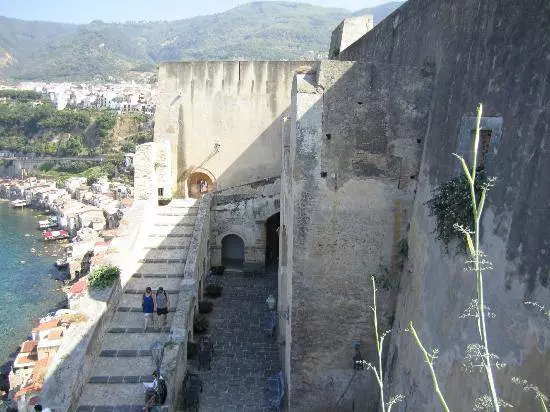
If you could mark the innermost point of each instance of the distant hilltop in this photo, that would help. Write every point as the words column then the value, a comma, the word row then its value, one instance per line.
column 255, row 31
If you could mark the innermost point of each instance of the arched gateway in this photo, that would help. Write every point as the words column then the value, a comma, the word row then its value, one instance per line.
column 232, row 251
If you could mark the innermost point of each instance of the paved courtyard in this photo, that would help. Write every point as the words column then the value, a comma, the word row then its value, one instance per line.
column 244, row 354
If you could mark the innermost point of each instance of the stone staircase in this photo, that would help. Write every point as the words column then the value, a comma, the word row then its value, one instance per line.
column 125, row 362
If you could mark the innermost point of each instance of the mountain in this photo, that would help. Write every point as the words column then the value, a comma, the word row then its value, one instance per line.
column 263, row 30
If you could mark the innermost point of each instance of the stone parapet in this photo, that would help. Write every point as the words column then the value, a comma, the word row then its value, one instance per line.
column 174, row 363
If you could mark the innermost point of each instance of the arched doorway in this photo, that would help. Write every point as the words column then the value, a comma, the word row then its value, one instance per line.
column 272, row 240
column 198, row 184
column 232, row 251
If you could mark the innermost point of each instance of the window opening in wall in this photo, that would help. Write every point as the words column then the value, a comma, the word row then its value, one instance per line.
column 490, row 133
column 160, row 191
column 484, row 144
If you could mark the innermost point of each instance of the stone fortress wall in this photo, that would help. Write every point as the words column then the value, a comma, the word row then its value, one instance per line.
column 353, row 161
column 494, row 53
column 349, row 154
column 223, row 120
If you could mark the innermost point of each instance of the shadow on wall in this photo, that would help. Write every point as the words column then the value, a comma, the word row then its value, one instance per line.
column 244, row 209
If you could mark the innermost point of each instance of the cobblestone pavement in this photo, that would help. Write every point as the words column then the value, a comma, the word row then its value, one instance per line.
column 244, row 354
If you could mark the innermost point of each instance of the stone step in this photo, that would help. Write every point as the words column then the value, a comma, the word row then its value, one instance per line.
column 129, row 353
column 174, row 220
column 133, row 330
column 141, row 291
column 167, row 242
column 177, row 203
column 140, row 284
column 121, row 408
column 178, row 211
column 153, row 260
column 167, row 230
column 136, row 308
column 113, row 395
column 158, row 275
column 134, row 320
column 137, row 341
column 169, row 255
column 166, row 268
column 136, row 366
column 132, row 302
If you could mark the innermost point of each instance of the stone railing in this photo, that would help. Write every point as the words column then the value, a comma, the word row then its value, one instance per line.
column 174, row 363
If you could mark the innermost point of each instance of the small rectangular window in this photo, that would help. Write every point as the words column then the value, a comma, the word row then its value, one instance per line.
column 483, row 148
column 161, row 191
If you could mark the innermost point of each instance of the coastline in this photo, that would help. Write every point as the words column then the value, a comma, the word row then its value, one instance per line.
column 45, row 198
column 44, row 257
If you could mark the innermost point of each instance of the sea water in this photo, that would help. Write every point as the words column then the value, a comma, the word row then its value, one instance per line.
column 27, row 286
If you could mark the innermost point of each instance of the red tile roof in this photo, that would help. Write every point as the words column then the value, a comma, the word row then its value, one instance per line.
column 28, row 346
column 33, row 387
column 56, row 334
column 54, row 323
column 79, row 286
column 26, row 359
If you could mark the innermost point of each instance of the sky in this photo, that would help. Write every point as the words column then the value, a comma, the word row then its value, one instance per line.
column 83, row 11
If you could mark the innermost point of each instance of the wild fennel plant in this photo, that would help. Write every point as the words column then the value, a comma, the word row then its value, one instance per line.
column 478, row 264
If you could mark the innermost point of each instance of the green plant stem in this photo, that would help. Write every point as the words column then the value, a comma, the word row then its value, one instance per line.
column 542, row 404
column 429, row 361
column 379, row 343
column 477, row 209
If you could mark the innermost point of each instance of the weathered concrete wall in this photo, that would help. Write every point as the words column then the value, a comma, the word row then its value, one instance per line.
column 354, row 157
column 174, row 363
column 348, row 32
column 243, row 211
column 496, row 53
column 223, row 117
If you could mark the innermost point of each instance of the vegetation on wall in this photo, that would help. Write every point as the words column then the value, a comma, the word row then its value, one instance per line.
column 451, row 204
column 104, row 276
column 458, row 207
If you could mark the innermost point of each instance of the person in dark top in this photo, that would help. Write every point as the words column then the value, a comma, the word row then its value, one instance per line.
column 163, row 306
column 148, row 306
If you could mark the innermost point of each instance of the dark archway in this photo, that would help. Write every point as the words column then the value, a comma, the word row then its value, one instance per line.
column 272, row 240
column 232, row 251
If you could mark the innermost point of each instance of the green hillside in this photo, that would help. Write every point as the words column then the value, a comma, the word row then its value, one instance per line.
column 263, row 30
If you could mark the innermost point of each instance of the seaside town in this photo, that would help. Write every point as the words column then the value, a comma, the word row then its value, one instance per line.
column 124, row 96
column 88, row 217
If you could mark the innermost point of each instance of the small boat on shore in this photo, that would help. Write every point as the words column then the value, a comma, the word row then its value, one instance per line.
column 19, row 203
column 48, row 224
column 55, row 234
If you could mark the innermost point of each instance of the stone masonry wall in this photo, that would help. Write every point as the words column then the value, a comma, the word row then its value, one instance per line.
column 354, row 157
column 223, row 117
column 489, row 51
column 243, row 211
column 145, row 179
